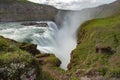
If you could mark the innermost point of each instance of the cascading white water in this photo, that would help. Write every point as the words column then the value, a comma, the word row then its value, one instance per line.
column 59, row 41
column 18, row 32
column 49, row 39
column 56, row 41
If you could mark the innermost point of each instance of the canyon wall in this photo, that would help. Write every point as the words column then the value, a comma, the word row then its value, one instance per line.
column 22, row 10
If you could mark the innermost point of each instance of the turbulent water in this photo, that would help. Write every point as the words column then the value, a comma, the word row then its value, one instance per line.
column 49, row 39
column 18, row 32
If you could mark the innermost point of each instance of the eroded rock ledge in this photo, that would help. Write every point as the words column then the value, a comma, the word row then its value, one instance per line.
column 43, row 24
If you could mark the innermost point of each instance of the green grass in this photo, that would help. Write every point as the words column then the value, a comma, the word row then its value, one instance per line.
column 15, row 62
column 53, row 60
column 104, row 32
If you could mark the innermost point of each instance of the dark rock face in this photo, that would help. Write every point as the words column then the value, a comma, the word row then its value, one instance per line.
column 42, row 25
column 29, row 24
column 103, row 49
column 25, row 11
column 31, row 48
column 34, row 23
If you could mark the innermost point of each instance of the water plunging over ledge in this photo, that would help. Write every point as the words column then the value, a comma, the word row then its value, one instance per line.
column 48, row 39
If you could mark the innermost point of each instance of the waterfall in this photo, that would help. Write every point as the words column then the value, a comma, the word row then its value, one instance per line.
column 52, row 39
column 58, row 38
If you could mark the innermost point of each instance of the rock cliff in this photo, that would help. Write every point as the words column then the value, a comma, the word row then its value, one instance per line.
column 23, row 10
column 87, row 14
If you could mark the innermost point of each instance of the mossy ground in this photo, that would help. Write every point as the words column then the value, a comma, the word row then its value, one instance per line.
column 105, row 32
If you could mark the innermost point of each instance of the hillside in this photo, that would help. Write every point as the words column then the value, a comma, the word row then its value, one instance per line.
column 87, row 14
column 98, row 49
column 103, row 10
column 22, row 61
column 23, row 10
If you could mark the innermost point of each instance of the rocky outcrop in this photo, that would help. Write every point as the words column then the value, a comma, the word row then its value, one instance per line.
column 34, row 24
column 101, row 48
column 31, row 48
column 23, row 10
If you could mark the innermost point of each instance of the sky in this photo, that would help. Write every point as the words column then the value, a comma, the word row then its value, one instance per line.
column 73, row 4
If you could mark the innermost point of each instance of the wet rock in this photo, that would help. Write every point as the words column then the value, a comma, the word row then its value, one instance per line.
column 42, row 25
column 35, row 24
column 29, row 24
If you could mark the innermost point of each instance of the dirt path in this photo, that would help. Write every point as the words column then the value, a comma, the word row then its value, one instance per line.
column 57, row 75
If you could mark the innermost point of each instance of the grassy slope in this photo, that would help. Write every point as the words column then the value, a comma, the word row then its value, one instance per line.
column 11, row 56
column 15, row 62
column 105, row 32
